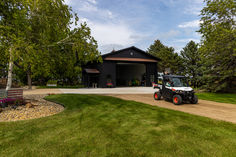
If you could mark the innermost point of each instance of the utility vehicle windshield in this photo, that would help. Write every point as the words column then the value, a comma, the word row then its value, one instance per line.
column 179, row 82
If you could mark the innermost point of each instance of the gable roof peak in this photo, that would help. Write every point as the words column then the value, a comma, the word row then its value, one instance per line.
column 113, row 50
column 131, row 47
column 128, row 48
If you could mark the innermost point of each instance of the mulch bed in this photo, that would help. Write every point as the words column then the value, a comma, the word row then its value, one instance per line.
column 37, row 107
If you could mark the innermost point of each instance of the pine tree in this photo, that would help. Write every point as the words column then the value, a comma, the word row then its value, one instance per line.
column 191, row 62
column 218, row 44
column 169, row 59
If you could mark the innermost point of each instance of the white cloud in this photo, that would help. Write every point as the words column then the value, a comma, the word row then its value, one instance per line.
column 82, row 20
column 105, row 28
column 109, row 47
column 112, row 33
column 186, row 40
column 109, row 33
column 68, row 2
column 194, row 7
column 110, row 14
column 92, row 1
column 88, row 7
column 195, row 10
column 190, row 24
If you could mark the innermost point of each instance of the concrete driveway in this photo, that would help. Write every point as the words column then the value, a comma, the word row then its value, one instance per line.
column 125, row 90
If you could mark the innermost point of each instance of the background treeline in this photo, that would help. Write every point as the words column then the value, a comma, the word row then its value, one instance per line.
column 211, row 64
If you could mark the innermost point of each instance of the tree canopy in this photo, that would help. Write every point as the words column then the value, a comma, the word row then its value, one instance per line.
column 191, row 62
column 169, row 59
column 218, row 44
column 37, row 37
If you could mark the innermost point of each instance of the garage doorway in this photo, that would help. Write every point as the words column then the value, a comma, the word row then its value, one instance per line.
column 130, row 74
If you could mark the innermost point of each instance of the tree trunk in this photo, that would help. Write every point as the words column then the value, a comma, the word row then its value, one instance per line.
column 29, row 80
column 10, row 70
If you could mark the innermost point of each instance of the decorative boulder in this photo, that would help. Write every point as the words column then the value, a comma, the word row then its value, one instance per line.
column 29, row 105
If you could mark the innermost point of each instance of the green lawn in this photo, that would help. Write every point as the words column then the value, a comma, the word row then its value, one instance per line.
column 105, row 126
column 218, row 97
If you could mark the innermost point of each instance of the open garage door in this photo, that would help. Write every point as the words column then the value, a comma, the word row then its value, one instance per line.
column 130, row 74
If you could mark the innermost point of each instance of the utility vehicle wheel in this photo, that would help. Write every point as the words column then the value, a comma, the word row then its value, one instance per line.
column 177, row 99
column 157, row 96
column 194, row 100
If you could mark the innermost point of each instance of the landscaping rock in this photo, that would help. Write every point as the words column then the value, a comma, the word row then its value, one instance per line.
column 36, row 107
column 29, row 105
column 14, row 107
column 27, row 101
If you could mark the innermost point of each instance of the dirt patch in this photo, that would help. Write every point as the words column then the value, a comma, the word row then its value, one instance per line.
column 36, row 107
column 215, row 110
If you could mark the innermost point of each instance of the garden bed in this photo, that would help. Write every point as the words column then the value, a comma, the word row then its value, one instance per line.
column 35, row 108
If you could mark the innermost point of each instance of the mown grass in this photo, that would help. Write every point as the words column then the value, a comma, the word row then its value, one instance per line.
column 218, row 97
column 105, row 126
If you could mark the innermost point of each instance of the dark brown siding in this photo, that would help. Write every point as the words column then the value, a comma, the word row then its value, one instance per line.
column 151, row 69
column 107, row 68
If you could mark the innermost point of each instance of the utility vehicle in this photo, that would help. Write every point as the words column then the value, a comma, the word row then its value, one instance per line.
column 176, row 89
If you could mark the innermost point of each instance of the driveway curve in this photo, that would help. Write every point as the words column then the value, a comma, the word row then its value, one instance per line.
column 215, row 110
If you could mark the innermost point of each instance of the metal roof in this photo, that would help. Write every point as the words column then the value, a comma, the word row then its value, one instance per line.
column 129, row 59
column 132, row 47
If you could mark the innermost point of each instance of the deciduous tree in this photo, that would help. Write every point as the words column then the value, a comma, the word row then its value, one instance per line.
column 39, row 38
column 12, row 27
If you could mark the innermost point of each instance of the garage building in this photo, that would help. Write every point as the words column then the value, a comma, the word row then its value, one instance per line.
column 126, row 67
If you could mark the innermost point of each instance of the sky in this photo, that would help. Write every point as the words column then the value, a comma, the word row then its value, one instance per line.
column 117, row 24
